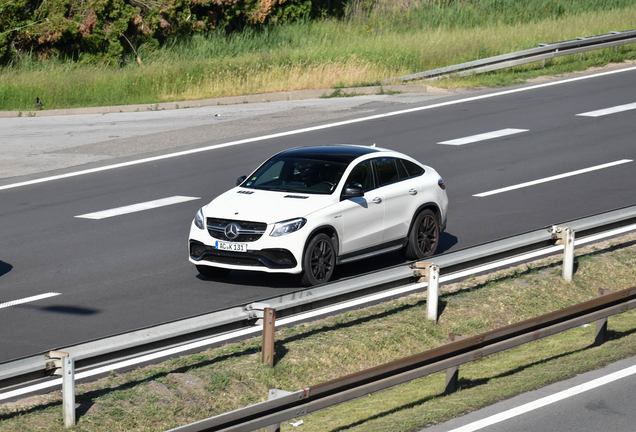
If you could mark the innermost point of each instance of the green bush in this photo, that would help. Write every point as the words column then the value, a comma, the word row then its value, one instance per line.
column 94, row 31
column 105, row 31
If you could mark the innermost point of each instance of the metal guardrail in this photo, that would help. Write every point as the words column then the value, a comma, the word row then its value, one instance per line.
column 542, row 53
column 148, row 340
column 448, row 357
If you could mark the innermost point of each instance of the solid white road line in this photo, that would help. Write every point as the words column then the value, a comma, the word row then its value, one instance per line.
column 308, row 315
column 137, row 207
column 556, row 177
column 28, row 299
column 315, row 128
column 608, row 111
column 483, row 137
column 540, row 403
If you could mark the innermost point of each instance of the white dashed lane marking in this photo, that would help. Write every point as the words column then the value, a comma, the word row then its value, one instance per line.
column 28, row 299
column 608, row 111
column 137, row 207
column 483, row 137
column 556, row 177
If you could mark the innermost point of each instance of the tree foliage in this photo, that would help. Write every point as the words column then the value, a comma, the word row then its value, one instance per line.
column 101, row 30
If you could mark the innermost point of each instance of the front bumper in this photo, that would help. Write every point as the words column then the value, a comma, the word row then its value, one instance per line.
column 267, row 254
column 274, row 259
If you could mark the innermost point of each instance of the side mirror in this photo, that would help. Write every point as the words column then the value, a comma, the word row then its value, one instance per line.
column 352, row 191
column 240, row 180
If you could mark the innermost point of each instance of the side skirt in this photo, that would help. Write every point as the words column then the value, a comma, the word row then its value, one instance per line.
column 370, row 252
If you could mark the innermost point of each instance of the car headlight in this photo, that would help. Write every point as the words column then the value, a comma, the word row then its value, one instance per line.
column 288, row 226
column 198, row 220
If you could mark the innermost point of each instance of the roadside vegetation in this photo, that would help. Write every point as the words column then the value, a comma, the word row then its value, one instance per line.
column 195, row 387
column 346, row 44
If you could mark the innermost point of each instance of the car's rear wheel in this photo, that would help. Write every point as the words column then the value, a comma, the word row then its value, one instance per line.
column 212, row 272
column 319, row 260
column 424, row 236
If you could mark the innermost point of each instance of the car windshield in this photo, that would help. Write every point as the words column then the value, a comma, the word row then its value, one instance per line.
column 297, row 175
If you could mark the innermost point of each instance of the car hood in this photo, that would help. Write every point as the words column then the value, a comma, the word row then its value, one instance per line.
column 265, row 206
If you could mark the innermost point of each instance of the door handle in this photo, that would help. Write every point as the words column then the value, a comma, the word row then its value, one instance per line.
column 377, row 200
column 413, row 192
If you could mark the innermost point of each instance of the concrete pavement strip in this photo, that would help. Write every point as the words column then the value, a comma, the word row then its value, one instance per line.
column 59, row 139
column 256, row 98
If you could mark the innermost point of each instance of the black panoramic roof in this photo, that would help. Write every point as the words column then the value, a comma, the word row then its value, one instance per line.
column 331, row 153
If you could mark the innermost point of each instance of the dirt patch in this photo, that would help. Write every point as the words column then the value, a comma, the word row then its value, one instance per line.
column 159, row 391
column 188, row 385
column 24, row 404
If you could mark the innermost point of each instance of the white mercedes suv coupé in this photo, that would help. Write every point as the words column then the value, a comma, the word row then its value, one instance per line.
column 305, row 210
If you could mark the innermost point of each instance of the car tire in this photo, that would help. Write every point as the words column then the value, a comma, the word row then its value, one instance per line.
column 424, row 236
column 212, row 272
column 319, row 260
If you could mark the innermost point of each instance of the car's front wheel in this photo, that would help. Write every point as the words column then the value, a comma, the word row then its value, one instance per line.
column 212, row 272
column 424, row 236
column 319, row 260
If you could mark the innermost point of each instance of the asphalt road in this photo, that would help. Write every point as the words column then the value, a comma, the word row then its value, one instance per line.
column 131, row 271
column 594, row 401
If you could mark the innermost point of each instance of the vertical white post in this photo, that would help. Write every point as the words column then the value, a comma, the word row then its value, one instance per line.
column 568, row 253
column 68, row 391
column 432, row 292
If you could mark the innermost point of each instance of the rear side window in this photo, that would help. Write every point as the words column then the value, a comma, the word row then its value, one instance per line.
column 413, row 169
column 387, row 170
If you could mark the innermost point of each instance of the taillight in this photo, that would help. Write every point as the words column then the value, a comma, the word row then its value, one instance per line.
column 441, row 184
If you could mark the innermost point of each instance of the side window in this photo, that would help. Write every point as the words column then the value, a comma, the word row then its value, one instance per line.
column 361, row 175
column 414, row 170
column 387, row 170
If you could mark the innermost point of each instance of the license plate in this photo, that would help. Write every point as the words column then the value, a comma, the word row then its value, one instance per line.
column 234, row 247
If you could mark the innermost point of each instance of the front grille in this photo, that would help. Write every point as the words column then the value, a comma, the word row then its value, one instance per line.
column 248, row 231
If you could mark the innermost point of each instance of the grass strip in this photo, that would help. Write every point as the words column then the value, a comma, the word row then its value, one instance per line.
column 195, row 387
column 309, row 55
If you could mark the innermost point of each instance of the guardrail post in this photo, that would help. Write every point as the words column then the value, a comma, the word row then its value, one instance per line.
column 269, row 329
column 601, row 325
column 63, row 364
column 68, row 391
column 452, row 373
column 568, row 253
column 429, row 274
column 564, row 235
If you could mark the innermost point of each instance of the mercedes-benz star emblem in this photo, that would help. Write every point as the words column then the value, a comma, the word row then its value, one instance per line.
column 232, row 231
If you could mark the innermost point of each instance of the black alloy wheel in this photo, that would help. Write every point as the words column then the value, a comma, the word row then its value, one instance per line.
column 319, row 260
column 424, row 236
